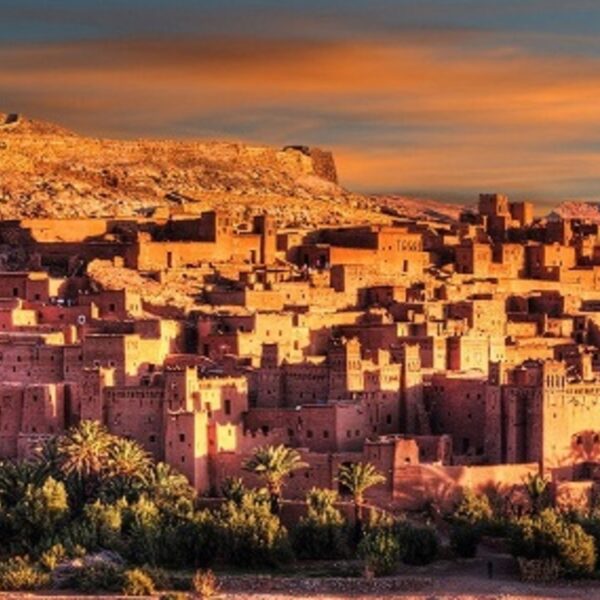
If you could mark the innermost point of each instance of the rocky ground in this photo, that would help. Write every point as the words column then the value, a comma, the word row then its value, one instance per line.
column 448, row 580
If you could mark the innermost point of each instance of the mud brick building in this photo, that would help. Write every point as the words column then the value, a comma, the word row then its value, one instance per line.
column 448, row 355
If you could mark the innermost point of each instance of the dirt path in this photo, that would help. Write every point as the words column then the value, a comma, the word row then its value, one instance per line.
column 447, row 580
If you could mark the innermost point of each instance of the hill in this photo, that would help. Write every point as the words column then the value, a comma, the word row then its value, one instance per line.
column 47, row 171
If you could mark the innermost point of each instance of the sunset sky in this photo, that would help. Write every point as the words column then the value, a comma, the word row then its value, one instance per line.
column 438, row 98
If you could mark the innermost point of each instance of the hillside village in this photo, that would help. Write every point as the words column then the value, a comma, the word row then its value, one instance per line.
column 450, row 355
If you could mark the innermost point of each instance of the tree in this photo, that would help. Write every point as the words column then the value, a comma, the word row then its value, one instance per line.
column 473, row 509
column 168, row 487
column 15, row 476
column 233, row 489
column 39, row 513
column 251, row 535
column 83, row 454
column 127, row 470
column 357, row 478
column 538, row 490
column 273, row 464
column 549, row 536
column 322, row 533
column 380, row 550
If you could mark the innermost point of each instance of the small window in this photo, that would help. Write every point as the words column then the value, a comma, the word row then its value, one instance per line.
column 182, row 437
column 227, row 407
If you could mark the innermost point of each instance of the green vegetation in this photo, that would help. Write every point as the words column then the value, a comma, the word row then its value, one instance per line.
column 419, row 544
column 551, row 536
column 356, row 479
column 136, row 582
column 92, row 512
column 205, row 584
column 273, row 464
column 380, row 549
column 323, row 533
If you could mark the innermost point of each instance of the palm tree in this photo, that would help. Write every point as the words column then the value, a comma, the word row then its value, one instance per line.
column 538, row 490
column 274, row 464
column 83, row 454
column 356, row 479
column 127, row 470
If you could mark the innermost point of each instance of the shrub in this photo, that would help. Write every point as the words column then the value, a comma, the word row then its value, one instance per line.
column 548, row 536
column 162, row 579
column 318, row 540
column 137, row 582
column 106, row 577
column 205, row 584
column 18, row 574
column 591, row 526
column 105, row 520
column 380, row 550
column 52, row 557
column 142, row 528
column 464, row 539
column 418, row 544
column 38, row 514
column 474, row 509
column 233, row 489
column 323, row 532
column 252, row 535
column 190, row 542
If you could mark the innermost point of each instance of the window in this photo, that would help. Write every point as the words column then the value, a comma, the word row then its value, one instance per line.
column 227, row 407
column 309, row 433
column 182, row 437
column 325, row 434
column 152, row 439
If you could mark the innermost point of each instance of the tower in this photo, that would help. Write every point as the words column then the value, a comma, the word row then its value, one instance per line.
column 345, row 368
column 412, row 409
column 264, row 225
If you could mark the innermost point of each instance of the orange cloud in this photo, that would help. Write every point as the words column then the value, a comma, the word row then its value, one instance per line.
column 456, row 114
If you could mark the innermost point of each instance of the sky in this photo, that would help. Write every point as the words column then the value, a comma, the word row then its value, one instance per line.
column 435, row 98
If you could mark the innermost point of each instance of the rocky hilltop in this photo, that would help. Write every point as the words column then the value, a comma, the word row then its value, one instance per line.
column 419, row 208
column 47, row 171
column 571, row 209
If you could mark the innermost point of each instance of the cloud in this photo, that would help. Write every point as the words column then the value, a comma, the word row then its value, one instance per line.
column 453, row 112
